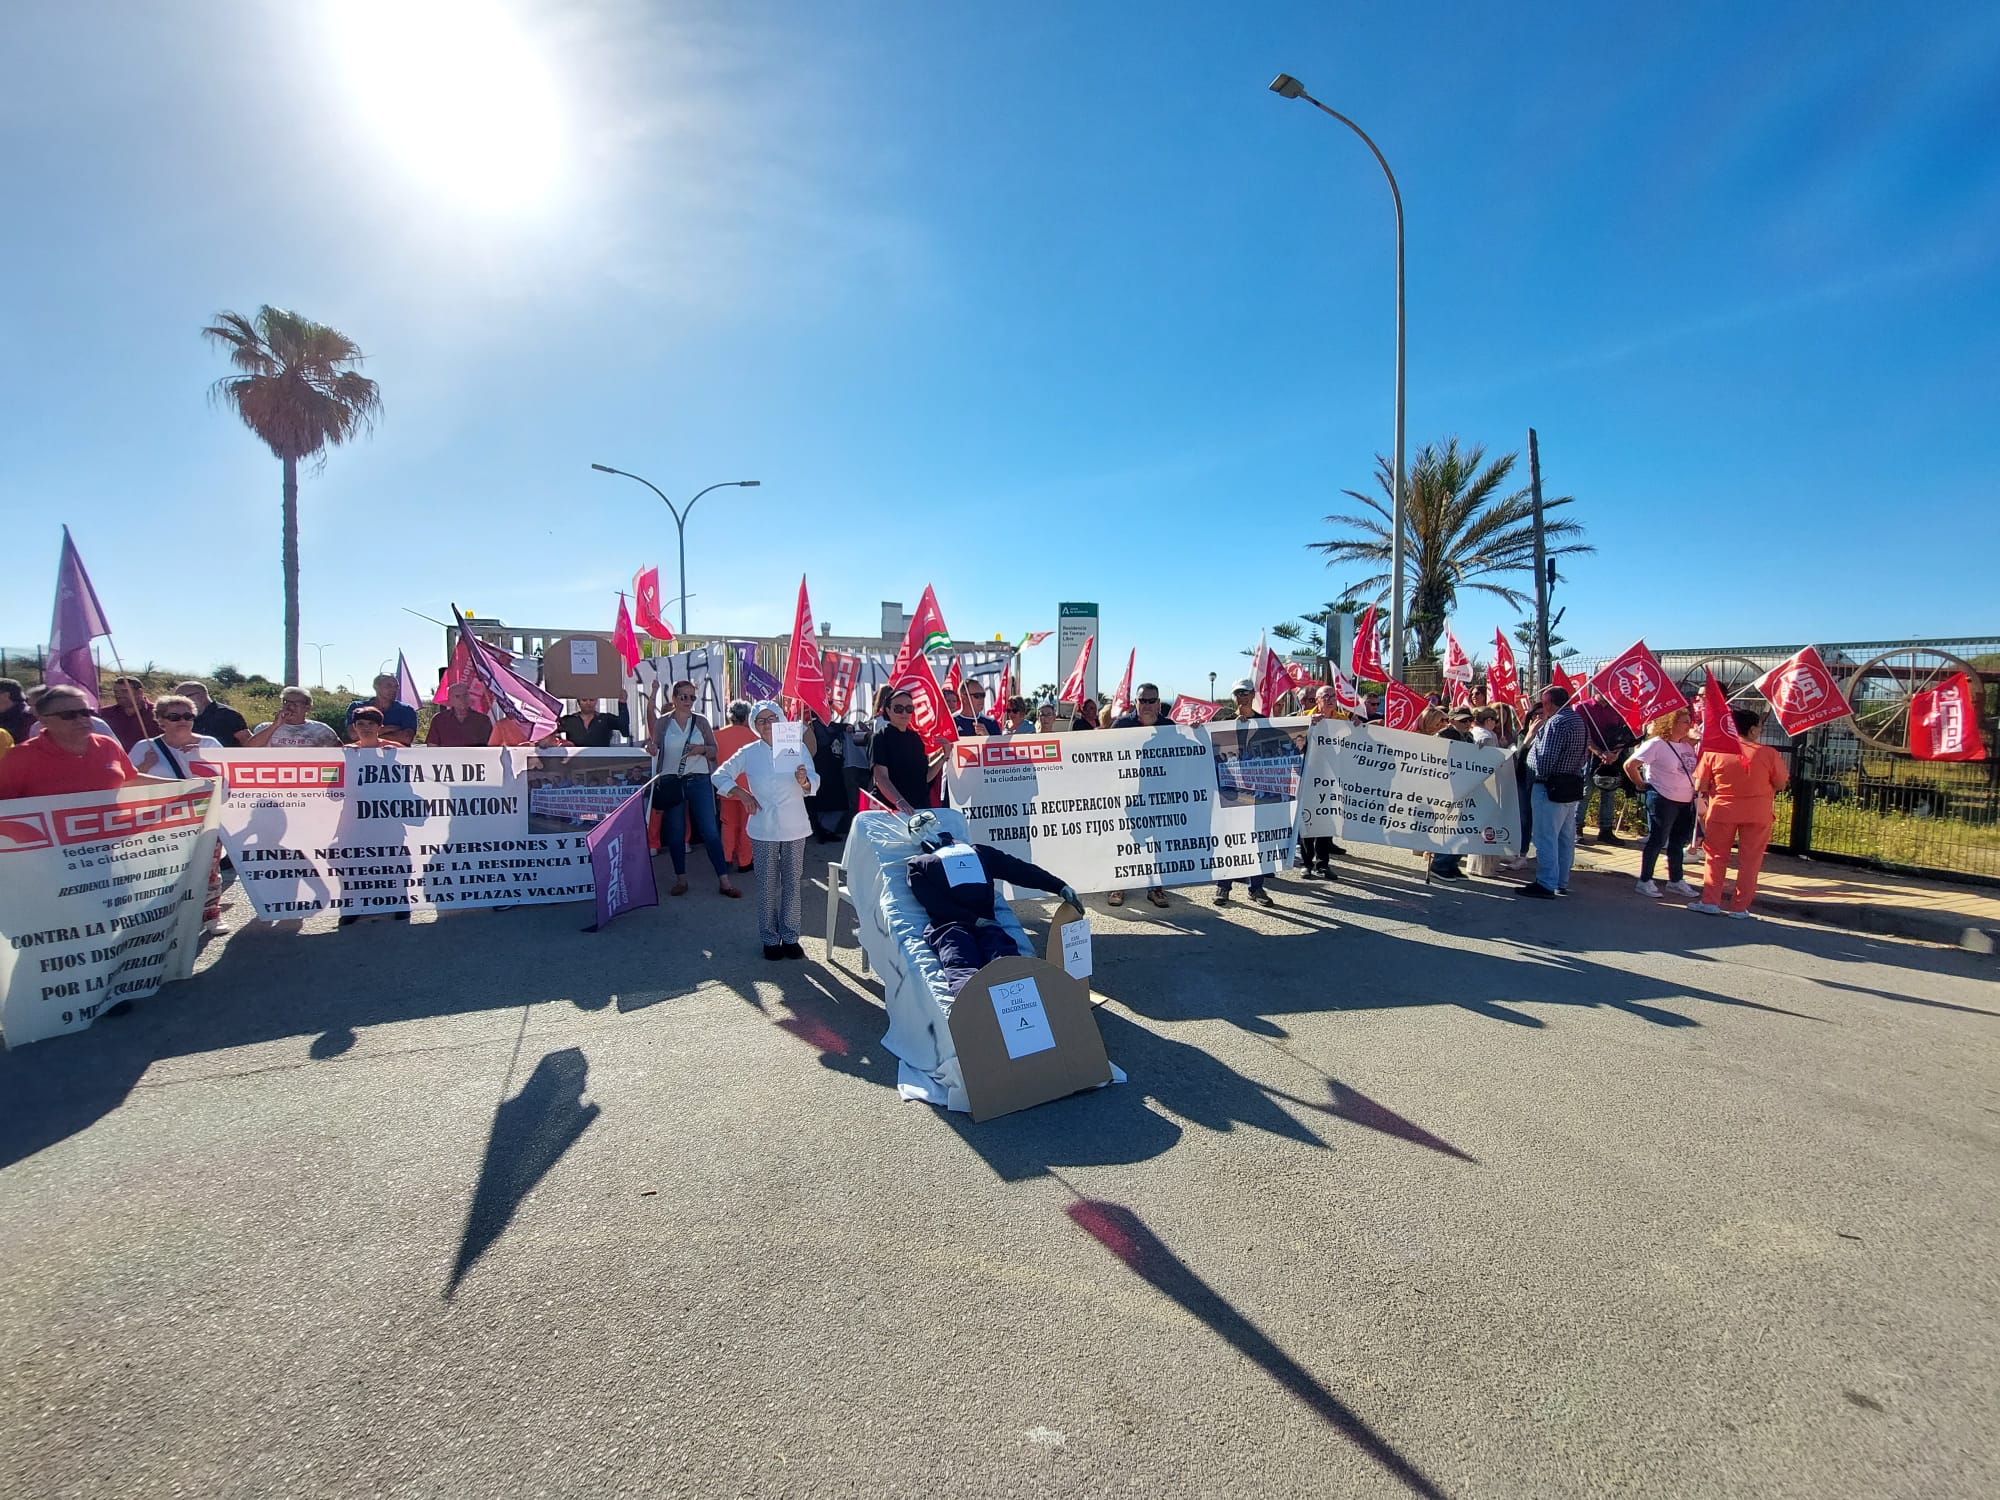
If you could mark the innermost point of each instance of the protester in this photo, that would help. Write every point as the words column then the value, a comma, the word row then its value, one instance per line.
column 218, row 721
column 294, row 728
column 1741, row 792
column 590, row 729
column 732, row 815
column 1557, row 762
column 14, row 716
column 1485, row 734
column 684, row 751
column 177, row 751
column 902, row 766
column 1316, row 854
column 1147, row 713
column 1242, row 711
column 1371, row 708
column 1530, row 728
column 856, row 763
column 399, row 720
column 1611, row 740
column 365, row 729
column 1020, row 716
column 131, row 715
column 458, row 726
column 67, row 756
column 827, row 806
column 973, row 719
column 776, row 799
column 1045, row 719
column 1663, row 767
column 1087, row 716
column 1456, row 726
column 950, row 701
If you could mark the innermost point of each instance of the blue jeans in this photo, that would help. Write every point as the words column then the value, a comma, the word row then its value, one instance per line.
column 1555, row 838
column 699, row 804
column 1668, row 825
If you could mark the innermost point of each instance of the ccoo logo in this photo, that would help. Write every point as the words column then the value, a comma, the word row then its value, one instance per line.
column 989, row 753
column 265, row 774
column 116, row 820
column 29, row 831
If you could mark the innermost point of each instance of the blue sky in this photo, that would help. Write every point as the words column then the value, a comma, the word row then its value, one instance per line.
column 1034, row 302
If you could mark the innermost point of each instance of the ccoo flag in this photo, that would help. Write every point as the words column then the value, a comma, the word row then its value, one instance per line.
column 514, row 697
column 621, row 860
column 79, row 619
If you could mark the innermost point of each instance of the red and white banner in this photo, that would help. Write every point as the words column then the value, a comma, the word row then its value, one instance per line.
column 1269, row 676
column 1503, row 678
column 1637, row 686
column 1121, row 696
column 1718, row 724
column 805, row 681
column 1457, row 665
column 1802, row 693
column 1072, row 690
column 646, row 604
column 842, row 670
column 1345, row 696
column 1188, row 710
column 1944, row 722
column 1402, row 706
column 1366, row 657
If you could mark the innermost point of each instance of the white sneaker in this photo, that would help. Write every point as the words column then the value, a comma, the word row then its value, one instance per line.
column 1680, row 888
column 1741, row 916
column 1705, row 909
column 1645, row 888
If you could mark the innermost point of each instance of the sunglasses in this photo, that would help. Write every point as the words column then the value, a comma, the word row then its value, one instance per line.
column 1149, row 700
column 65, row 713
column 901, row 708
column 176, row 718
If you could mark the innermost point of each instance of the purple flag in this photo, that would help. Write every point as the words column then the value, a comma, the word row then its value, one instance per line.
column 79, row 619
column 513, row 695
column 757, row 684
column 406, row 685
column 621, row 862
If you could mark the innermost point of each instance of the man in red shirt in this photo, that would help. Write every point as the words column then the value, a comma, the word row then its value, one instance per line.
column 456, row 725
column 65, row 756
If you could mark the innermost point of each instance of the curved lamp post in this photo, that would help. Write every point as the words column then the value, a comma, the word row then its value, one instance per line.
column 680, row 520
column 1288, row 87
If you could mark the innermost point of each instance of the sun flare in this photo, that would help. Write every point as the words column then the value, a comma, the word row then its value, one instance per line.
column 458, row 95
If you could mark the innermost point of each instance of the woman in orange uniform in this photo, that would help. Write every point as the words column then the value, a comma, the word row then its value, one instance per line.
column 732, row 737
column 1741, row 790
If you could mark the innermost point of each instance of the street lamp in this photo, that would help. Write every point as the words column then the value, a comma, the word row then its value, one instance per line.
column 320, row 646
column 1288, row 87
column 680, row 520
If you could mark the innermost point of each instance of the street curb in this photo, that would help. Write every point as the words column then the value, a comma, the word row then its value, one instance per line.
column 1947, row 928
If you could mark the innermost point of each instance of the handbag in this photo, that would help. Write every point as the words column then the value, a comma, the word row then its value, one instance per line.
column 1563, row 786
column 671, row 791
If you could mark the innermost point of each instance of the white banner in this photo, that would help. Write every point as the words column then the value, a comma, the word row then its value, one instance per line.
column 1369, row 785
column 366, row 831
column 1122, row 809
column 100, row 901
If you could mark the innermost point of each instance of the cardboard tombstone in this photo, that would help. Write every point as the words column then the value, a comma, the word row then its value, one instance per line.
column 1068, row 946
column 583, row 666
column 1024, row 1035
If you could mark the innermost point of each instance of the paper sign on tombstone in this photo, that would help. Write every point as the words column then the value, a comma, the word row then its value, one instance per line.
column 1409, row 791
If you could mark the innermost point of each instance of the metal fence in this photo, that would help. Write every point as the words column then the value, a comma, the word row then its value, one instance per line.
column 1857, row 794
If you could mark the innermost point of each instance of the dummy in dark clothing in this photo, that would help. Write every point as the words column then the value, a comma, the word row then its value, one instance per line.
column 955, row 886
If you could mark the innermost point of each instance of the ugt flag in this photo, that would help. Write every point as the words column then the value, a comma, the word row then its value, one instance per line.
column 1503, row 678
column 1802, row 694
column 1944, row 722
column 646, row 604
column 1072, row 690
column 1401, row 706
column 621, row 863
column 1718, row 724
column 805, row 679
column 1366, row 658
column 1637, row 686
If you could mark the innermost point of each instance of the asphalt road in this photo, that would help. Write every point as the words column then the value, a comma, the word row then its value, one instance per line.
column 1411, row 1192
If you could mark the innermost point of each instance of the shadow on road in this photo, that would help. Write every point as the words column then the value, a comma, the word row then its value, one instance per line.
column 531, row 1131
column 1126, row 1236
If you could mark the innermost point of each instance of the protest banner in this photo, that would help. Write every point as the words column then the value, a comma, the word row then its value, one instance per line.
column 367, row 831
column 100, row 900
column 703, row 666
column 1124, row 808
column 1365, row 784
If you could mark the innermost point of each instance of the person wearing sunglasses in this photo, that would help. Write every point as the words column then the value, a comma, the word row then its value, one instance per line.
column 1148, row 712
column 294, row 728
column 685, row 750
column 66, row 756
column 177, row 751
column 902, row 765
column 973, row 720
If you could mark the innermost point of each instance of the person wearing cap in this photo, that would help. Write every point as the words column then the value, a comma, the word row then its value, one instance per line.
column 775, row 792
column 1243, row 711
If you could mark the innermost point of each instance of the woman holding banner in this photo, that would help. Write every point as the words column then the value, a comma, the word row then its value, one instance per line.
column 775, row 791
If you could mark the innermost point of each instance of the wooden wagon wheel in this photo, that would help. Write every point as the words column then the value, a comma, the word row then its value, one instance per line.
column 1881, row 689
column 1735, row 673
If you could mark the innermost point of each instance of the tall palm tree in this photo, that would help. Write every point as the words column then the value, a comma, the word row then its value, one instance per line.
column 297, row 386
column 1460, row 532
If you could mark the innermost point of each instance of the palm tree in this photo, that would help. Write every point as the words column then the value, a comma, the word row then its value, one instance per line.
column 1311, row 633
column 297, row 387
column 1460, row 532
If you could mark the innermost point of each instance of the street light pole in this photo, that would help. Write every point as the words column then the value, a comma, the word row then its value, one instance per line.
column 320, row 646
column 680, row 519
column 1289, row 87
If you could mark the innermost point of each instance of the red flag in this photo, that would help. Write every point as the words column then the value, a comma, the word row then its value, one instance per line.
column 1346, row 697
column 804, row 680
column 1188, row 710
column 646, row 604
column 1121, row 697
column 1365, row 660
column 866, row 801
column 1944, row 722
column 1637, row 686
column 1401, row 706
column 1301, row 675
column 1801, row 692
column 460, row 670
column 1461, row 695
column 1272, row 680
column 512, row 695
column 1503, row 678
column 1457, row 665
column 926, row 633
column 955, row 678
column 1072, row 690
column 1560, row 678
column 842, row 670
column 624, row 639
column 1718, row 724
column 932, row 719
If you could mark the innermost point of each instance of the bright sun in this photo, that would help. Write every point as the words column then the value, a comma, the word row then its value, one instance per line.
column 457, row 94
